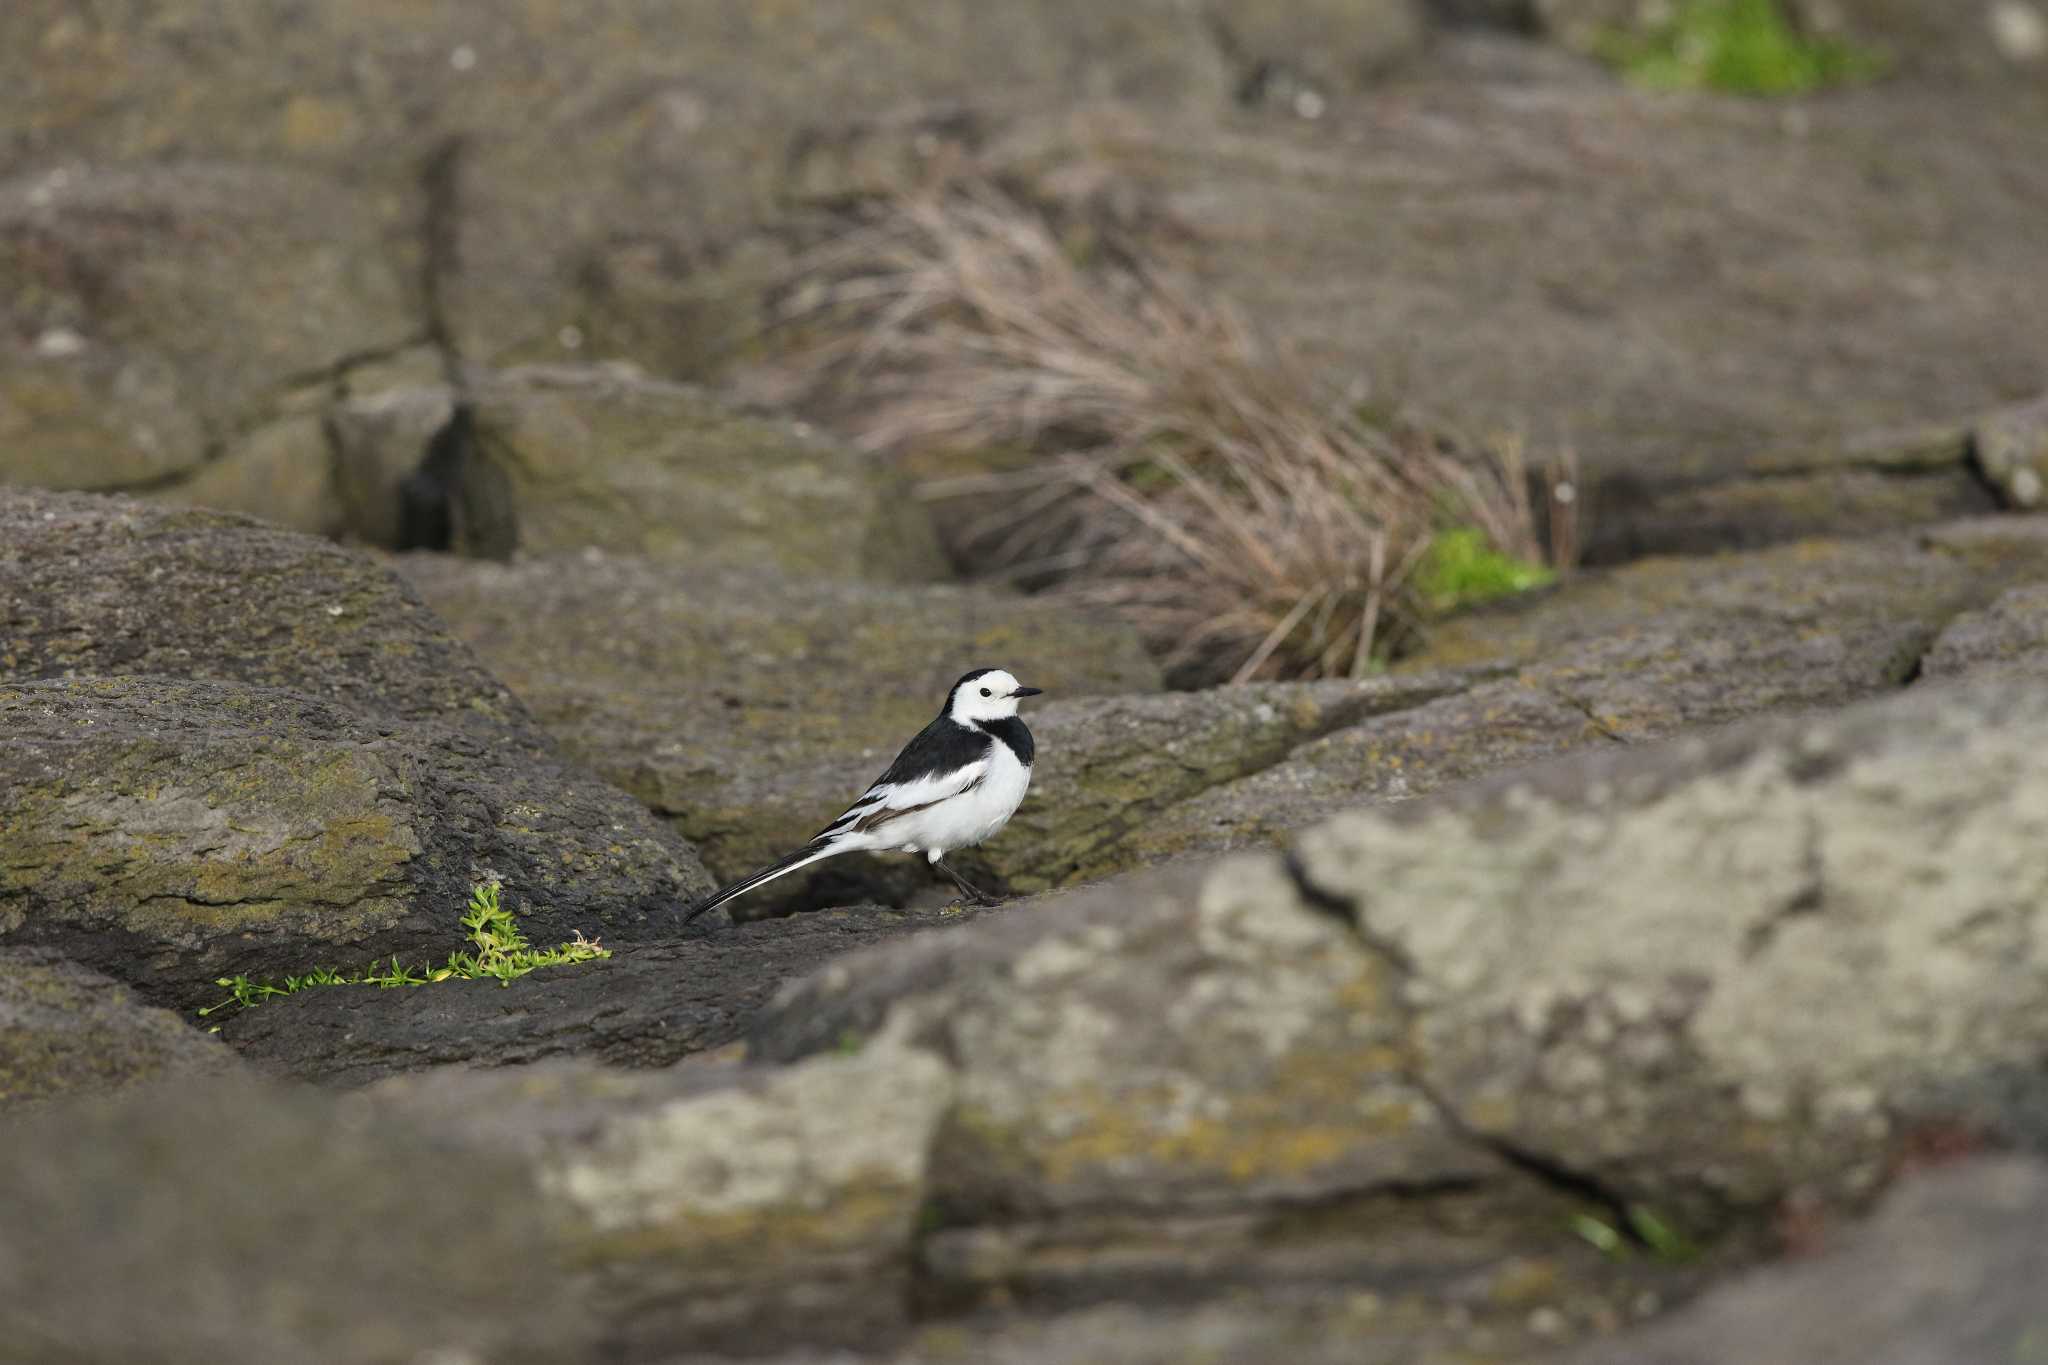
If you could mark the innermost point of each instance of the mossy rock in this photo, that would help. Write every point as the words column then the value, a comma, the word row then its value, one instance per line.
column 66, row 1030
column 296, row 762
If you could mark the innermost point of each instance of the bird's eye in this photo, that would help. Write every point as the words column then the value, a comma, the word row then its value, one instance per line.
column 985, row 692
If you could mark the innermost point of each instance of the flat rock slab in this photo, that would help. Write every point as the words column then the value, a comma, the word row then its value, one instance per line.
column 646, row 1006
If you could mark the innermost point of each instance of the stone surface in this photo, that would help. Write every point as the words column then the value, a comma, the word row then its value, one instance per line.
column 65, row 1030
column 2010, row 634
column 150, row 314
column 257, row 1223
column 1667, row 335
column 748, row 707
column 1950, row 1269
column 1637, row 653
column 2011, row 448
column 292, row 756
column 1598, row 951
column 724, row 1206
column 646, row 1006
column 592, row 457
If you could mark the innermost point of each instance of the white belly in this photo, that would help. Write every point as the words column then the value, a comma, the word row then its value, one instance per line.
column 972, row 816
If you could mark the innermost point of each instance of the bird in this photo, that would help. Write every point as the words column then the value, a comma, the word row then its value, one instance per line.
column 955, row 784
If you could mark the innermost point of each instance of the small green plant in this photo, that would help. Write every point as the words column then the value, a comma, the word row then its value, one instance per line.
column 1462, row 568
column 1644, row 1230
column 1744, row 47
column 501, row 953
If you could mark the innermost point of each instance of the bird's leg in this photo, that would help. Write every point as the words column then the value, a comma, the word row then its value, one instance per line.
column 967, row 888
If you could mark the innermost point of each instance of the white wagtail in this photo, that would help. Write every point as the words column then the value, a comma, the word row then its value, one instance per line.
column 953, row 786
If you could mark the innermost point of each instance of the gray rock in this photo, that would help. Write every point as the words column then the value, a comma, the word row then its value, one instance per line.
column 2011, row 634
column 1949, row 1270
column 152, row 313
column 295, row 761
column 644, row 1007
column 248, row 1223
column 1599, row 952
column 605, row 458
column 65, row 1030
column 2011, row 448
column 1627, row 655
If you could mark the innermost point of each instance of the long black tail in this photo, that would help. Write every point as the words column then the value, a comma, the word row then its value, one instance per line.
column 809, row 853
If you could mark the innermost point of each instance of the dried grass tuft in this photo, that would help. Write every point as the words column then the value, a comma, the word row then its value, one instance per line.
column 1181, row 472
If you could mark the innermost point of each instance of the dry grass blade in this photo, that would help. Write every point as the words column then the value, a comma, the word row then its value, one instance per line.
column 1179, row 471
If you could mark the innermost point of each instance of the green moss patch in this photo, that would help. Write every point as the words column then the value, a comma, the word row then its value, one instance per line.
column 1743, row 47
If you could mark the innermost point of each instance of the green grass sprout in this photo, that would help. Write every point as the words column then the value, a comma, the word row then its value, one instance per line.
column 498, row 952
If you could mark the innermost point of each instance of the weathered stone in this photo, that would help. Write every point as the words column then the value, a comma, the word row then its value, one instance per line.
column 1664, row 346
column 1598, row 952
column 644, row 1007
column 1326, row 46
column 150, row 315
column 1949, row 1270
column 293, row 756
column 2011, row 634
column 65, row 1030
column 249, row 1222
column 750, row 707
column 594, row 457
column 2011, row 448
column 1393, row 757
column 282, row 473
column 718, row 1206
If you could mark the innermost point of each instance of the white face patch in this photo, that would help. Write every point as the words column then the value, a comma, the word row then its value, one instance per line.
column 992, row 696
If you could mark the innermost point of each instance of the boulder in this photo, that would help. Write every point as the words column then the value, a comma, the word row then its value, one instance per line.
column 647, row 1006
column 297, row 764
column 66, row 1030
column 1597, row 952
column 151, row 314
column 608, row 458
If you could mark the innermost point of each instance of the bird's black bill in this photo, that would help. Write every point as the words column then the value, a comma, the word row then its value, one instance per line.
column 1027, row 691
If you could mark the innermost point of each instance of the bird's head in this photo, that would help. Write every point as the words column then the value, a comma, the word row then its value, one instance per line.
column 986, row 694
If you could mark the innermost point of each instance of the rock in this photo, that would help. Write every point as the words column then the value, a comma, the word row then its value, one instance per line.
column 2011, row 448
column 295, row 759
column 1386, row 758
column 750, row 707
column 282, row 473
column 719, row 1207
column 1627, row 655
column 1666, row 644
column 599, row 458
column 258, row 1223
column 2010, row 634
column 690, row 133
column 644, row 1007
column 1669, row 349
column 1950, row 1269
column 1598, row 951
column 1319, row 48
column 65, row 1030
column 155, row 313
